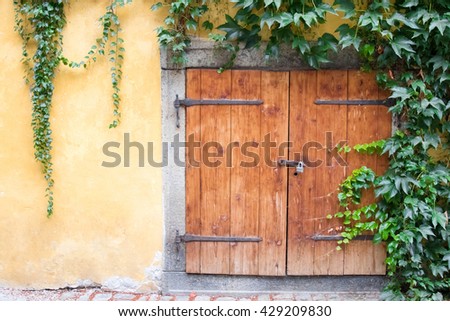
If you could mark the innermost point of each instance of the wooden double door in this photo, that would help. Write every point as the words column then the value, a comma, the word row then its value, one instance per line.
column 236, row 188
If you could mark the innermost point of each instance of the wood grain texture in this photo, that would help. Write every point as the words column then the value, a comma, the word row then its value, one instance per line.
column 331, row 130
column 384, row 125
column 362, row 128
column 273, row 182
column 193, row 213
column 245, row 185
column 248, row 195
column 302, row 188
column 215, row 176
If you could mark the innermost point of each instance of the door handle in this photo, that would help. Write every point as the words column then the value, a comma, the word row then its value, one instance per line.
column 299, row 165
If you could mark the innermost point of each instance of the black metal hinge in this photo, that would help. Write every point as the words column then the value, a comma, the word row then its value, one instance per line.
column 213, row 238
column 187, row 102
column 385, row 102
column 186, row 238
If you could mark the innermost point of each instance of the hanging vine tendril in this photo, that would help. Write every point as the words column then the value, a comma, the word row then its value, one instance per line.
column 40, row 24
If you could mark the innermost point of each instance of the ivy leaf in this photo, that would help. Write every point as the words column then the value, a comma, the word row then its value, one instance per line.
column 400, row 92
column 327, row 41
column 231, row 28
column 370, row 18
column 267, row 19
column 324, row 8
column 269, row 2
column 191, row 25
column 410, row 3
column 312, row 61
column 207, row 25
column 380, row 4
column 402, row 43
column 348, row 40
column 441, row 24
column 348, row 37
column 438, row 270
column 248, row 3
column 301, row 44
column 426, row 231
column 284, row 19
column 309, row 18
column 447, row 258
column 402, row 19
column 345, row 6
column 156, row 6
column 438, row 218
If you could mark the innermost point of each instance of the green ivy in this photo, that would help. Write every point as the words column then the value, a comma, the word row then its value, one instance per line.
column 408, row 42
column 110, row 44
column 41, row 22
column 183, row 17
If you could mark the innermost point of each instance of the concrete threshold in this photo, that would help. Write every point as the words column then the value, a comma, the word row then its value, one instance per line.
column 308, row 287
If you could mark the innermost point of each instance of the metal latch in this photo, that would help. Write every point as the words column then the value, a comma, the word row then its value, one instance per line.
column 385, row 102
column 187, row 102
column 299, row 165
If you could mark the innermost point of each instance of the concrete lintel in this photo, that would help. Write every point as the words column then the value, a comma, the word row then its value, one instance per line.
column 203, row 54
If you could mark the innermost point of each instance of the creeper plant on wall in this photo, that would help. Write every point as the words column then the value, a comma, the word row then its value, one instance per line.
column 40, row 24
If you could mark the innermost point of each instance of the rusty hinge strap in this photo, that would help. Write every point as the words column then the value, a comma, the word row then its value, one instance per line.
column 385, row 102
column 187, row 102
column 204, row 238
column 320, row 237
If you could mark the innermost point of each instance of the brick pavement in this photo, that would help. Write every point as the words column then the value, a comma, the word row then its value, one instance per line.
column 97, row 294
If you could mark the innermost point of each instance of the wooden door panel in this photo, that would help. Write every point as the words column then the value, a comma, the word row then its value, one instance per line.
column 301, row 204
column 215, row 180
column 193, row 209
column 364, row 257
column 242, row 196
column 331, row 129
column 246, row 194
column 273, row 182
column 313, row 194
column 245, row 171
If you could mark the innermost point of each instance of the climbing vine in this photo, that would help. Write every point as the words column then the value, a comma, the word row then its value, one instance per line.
column 408, row 43
column 183, row 17
column 43, row 24
column 40, row 23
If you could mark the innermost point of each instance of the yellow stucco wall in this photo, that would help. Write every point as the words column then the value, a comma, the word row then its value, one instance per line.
column 108, row 222
column 107, row 226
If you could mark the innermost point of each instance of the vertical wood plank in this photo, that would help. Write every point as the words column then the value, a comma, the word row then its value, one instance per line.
column 245, row 133
column 215, row 176
column 384, row 125
column 331, row 130
column 193, row 213
column 302, row 188
column 362, row 128
column 273, row 182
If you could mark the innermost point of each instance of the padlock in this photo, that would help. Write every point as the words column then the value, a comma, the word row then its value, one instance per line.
column 299, row 168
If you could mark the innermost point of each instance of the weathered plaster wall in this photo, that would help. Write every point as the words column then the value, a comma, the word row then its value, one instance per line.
column 107, row 226
column 108, row 222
